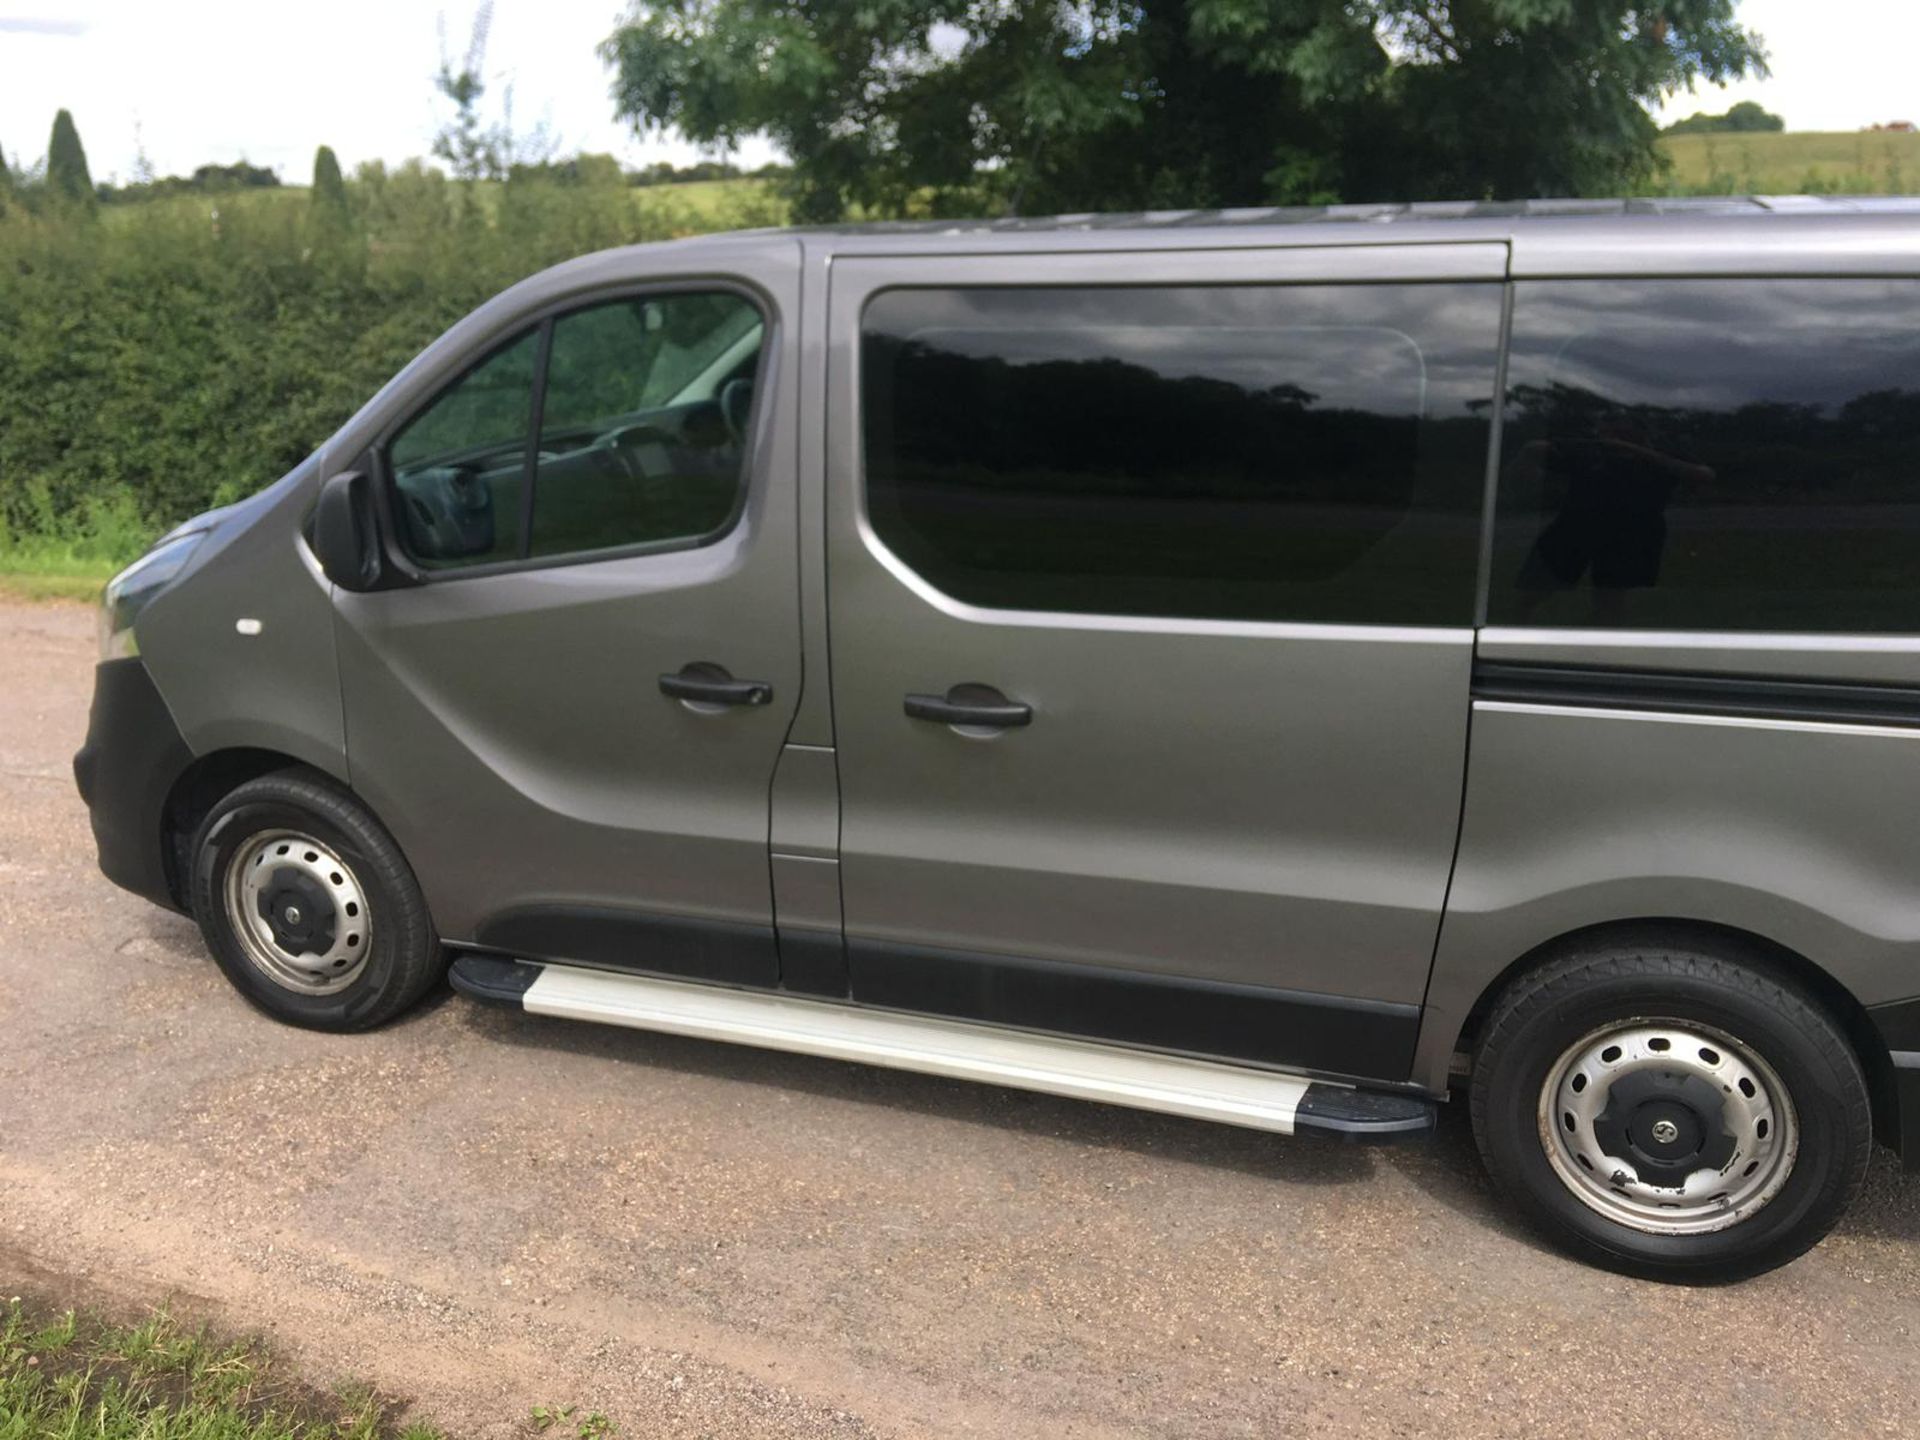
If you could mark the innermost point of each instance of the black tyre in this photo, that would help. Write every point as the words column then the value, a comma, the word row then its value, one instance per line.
column 1672, row 1112
column 309, row 907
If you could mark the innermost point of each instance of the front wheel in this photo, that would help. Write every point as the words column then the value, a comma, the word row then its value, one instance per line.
column 1670, row 1112
column 309, row 907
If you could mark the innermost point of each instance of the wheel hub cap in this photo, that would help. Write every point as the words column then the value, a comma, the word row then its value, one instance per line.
column 1665, row 1124
column 298, row 911
column 1670, row 1127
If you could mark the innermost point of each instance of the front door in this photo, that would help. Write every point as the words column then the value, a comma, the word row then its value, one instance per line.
column 1152, row 584
column 571, row 722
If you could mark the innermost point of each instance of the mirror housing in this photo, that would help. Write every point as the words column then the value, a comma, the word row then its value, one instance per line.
column 345, row 539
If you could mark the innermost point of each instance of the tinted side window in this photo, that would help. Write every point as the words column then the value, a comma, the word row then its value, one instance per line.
column 1313, row 453
column 1712, row 455
column 642, row 424
column 458, row 466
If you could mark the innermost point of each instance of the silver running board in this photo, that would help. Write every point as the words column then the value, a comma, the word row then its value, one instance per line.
column 1260, row 1100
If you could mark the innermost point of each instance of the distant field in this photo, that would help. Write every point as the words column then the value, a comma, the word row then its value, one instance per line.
column 692, row 207
column 1813, row 163
column 1791, row 163
column 711, row 197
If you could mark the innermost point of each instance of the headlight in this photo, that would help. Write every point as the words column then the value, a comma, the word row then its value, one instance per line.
column 128, row 592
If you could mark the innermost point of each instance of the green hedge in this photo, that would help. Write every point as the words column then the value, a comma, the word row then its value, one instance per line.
column 168, row 356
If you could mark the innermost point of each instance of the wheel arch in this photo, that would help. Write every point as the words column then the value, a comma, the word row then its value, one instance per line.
column 206, row 779
column 1868, row 1046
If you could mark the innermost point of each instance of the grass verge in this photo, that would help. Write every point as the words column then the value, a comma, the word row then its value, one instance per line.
column 53, row 572
column 76, row 1377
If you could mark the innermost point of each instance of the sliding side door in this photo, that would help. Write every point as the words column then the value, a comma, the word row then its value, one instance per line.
column 1152, row 588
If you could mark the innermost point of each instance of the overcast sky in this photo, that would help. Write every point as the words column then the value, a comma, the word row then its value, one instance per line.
column 267, row 81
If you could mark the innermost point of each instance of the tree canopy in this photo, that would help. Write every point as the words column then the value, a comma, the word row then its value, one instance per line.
column 1746, row 118
column 1034, row 105
column 67, row 172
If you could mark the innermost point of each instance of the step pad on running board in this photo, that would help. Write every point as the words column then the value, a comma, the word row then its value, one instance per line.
column 1143, row 1080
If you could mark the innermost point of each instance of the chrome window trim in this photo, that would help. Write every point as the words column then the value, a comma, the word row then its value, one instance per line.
column 1521, row 642
column 1671, row 717
column 1147, row 624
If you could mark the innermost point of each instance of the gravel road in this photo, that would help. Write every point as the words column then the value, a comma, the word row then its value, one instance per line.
column 483, row 1211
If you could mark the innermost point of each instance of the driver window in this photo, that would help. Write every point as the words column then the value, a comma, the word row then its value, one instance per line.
column 645, row 422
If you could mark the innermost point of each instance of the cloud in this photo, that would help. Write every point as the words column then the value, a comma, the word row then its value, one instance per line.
column 27, row 25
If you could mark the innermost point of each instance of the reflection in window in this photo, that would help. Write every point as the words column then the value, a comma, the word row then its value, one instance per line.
column 644, row 421
column 643, row 427
column 1280, row 453
column 1720, row 454
column 459, row 465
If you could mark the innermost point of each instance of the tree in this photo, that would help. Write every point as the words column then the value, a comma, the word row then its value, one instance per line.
column 1027, row 105
column 6, row 184
column 582, row 169
column 463, row 143
column 1753, row 119
column 476, row 150
column 1745, row 118
column 329, row 194
column 237, row 176
column 67, row 174
column 330, row 223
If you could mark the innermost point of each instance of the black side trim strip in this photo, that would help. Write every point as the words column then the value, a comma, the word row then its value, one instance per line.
column 493, row 978
column 1297, row 1030
column 638, row 941
column 1898, row 1023
column 813, row 962
column 1906, row 1085
column 1746, row 696
column 1365, row 1115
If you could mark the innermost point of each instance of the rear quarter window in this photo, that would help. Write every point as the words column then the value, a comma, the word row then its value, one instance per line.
column 1711, row 455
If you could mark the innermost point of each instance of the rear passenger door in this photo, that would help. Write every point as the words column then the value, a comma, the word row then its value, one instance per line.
column 1152, row 586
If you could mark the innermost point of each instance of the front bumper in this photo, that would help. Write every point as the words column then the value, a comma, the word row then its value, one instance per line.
column 125, row 772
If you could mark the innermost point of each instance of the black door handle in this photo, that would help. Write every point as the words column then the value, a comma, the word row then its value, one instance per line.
column 980, row 705
column 702, row 683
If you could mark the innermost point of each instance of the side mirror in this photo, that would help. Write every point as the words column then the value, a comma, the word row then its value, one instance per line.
column 344, row 537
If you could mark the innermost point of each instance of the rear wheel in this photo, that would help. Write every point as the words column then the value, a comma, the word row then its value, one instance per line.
column 1672, row 1112
column 309, row 907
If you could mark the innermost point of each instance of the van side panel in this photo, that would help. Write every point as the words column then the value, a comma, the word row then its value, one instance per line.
column 1800, row 831
column 1698, row 696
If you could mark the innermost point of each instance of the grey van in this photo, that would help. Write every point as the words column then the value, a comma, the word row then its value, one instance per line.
column 1284, row 668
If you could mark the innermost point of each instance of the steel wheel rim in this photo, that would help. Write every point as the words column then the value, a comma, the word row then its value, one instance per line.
column 1581, row 1125
column 325, row 947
